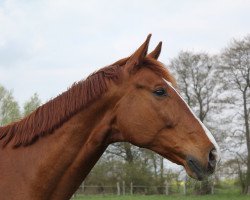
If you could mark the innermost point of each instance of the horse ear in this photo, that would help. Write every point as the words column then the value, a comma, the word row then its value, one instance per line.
column 138, row 56
column 156, row 52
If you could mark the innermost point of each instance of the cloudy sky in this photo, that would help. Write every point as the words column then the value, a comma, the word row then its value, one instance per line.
column 46, row 45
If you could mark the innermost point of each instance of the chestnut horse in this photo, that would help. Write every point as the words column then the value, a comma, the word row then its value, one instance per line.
column 48, row 154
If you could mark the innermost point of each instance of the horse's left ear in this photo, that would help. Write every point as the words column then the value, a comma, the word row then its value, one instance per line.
column 138, row 56
column 156, row 52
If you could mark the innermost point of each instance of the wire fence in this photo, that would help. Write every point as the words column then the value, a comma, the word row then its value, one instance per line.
column 180, row 188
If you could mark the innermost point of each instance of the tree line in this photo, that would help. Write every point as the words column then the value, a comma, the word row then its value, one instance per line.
column 10, row 110
column 216, row 87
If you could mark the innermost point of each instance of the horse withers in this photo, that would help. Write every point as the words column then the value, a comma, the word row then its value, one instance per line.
column 48, row 154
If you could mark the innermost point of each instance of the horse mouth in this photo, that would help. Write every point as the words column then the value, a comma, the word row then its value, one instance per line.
column 197, row 171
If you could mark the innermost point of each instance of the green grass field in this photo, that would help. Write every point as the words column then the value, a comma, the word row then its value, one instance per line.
column 174, row 197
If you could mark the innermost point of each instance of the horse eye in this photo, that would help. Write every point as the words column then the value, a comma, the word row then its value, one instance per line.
column 160, row 92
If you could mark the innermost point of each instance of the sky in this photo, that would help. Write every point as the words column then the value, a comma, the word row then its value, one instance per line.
column 46, row 45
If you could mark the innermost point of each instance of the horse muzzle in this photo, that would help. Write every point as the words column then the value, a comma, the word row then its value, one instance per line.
column 199, row 171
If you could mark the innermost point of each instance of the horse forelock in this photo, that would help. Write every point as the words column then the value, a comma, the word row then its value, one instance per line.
column 48, row 117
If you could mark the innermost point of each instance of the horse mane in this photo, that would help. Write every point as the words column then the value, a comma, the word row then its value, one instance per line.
column 50, row 116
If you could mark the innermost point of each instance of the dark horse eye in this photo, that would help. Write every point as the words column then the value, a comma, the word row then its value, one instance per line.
column 160, row 92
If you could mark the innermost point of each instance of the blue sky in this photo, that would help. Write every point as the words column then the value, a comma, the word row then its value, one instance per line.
column 47, row 45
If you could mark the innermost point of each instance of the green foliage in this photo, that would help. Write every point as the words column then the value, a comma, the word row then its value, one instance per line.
column 110, row 172
column 30, row 105
column 9, row 108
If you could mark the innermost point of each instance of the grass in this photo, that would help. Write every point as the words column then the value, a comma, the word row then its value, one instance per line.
column 162, row 197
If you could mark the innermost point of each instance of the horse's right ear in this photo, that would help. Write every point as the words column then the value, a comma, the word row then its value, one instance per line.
column 156, row 52
column 138, row 56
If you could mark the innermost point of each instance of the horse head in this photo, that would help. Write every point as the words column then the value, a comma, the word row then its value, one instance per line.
column 152, row 114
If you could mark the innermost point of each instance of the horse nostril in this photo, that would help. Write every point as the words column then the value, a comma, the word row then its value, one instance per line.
column 212, row 160
column 212, row 156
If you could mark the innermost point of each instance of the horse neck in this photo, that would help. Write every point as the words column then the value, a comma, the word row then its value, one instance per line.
column 97, row 128
column 56, row 164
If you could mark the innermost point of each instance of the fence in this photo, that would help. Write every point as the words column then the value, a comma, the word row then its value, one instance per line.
column 180, row 188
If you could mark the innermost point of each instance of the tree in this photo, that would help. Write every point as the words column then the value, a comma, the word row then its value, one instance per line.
column 197, row 82
column 9, row 108
column 235, row 67
column 30, row 105
column 2, row 92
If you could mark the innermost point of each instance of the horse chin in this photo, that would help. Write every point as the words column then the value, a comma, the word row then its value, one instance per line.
column 194, row 169
column 194, row 175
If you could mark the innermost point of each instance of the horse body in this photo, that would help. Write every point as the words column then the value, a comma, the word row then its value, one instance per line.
column 48, row 154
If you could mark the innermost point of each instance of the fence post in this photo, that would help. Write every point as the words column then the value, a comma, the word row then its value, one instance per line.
column 166, row 188
column 212, row 187
column 123, row 187
column 184, row 186
column 131, row 188
column 83, row 186
column 118, row 189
